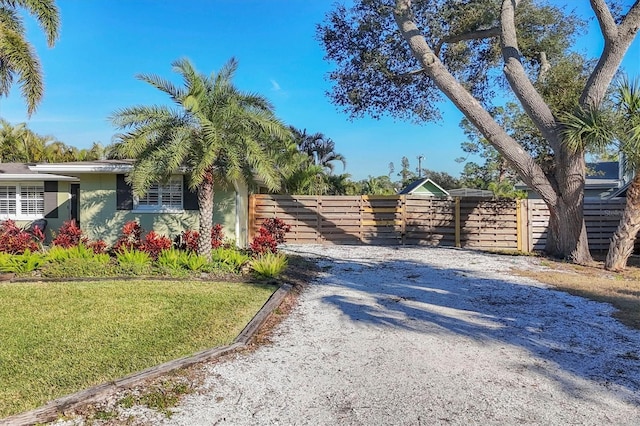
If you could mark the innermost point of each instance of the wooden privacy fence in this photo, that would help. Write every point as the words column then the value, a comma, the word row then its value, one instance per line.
column 395, row 220
column 601, row 219
column 406, row 219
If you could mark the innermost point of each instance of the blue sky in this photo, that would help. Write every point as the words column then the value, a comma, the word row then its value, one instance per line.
column 104, row 43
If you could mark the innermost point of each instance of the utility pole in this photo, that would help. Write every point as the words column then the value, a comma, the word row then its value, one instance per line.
column 420, row 158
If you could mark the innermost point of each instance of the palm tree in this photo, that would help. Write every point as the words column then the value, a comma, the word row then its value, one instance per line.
column 17, row 56
column 12, row 141
column 621, row 246
column 319, row 148
column 598, row 129
column 220, row 134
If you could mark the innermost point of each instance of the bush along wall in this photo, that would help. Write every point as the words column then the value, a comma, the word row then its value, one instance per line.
column 73, row 255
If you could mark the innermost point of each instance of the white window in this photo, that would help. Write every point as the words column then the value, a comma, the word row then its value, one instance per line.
column 162, row 197
column 21, row 201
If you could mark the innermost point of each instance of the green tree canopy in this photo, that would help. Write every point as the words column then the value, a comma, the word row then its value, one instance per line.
column 401, row 57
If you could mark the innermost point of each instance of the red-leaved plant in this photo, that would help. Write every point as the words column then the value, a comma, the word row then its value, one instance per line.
column 69, row 235
column 263, row 243
column 98, row 246
column 188, row 240
column 217, row 236
column 16, row 241
column 271, row 233
column 154, row 244
column 277, row 228
column 130, row 238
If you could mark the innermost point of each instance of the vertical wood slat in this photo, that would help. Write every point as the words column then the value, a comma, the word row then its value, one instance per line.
column 457, row 221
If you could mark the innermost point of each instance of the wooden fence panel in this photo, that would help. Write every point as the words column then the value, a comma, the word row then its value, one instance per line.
column 390, row 220
column 393, row 220
column 601, row 219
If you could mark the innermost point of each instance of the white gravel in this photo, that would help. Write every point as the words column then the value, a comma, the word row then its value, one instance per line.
column 431, row 336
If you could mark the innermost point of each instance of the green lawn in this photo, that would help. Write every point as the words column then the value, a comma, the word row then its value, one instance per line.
column 59, row 338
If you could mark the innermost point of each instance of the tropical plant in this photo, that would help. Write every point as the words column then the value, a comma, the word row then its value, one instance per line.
column 130, row 238
column 133, row 262
column 69, row 235
column 194, row 262
column 598, row 129
column 232, row 258
column 21, row 263
column 269, row 265
column 319, row 149
column 171, row 258
column 17, row 56
column 60, row 254
column 154, row 244
column 16, row 240
column 220, row 134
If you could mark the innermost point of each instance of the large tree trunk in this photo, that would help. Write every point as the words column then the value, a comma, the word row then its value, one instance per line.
column 564, row 196
column 567, row 234
column 624, row 238
column 205, row 205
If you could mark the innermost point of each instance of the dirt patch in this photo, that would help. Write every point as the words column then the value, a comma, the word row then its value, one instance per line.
column 620, row 289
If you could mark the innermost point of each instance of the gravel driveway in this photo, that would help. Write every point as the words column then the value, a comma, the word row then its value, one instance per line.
column 428, row 336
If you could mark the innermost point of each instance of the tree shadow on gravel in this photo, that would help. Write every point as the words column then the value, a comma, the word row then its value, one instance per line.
column 577, row 335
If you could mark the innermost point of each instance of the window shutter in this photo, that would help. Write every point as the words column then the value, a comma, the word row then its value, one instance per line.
column 124, row 194
column 189, row 199
column 50, row 199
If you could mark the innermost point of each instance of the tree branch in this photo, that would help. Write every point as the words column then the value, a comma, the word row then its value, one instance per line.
column 545, row 66
column 530, row 172
column 532, row 102
column 605, row 19
column 474, row 35
column 616, row 44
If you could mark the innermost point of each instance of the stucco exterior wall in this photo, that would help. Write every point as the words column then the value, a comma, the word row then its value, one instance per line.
column 100, row 219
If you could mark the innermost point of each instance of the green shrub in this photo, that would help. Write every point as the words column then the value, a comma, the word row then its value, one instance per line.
column 194, row 262
column 80, row 267
column 171, row 259
column 61, row 254
column 269, row 265
column 21, row 263
column 232, row 258
column 133, row 262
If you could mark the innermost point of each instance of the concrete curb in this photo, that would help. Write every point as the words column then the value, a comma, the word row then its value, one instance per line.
column 51, row 411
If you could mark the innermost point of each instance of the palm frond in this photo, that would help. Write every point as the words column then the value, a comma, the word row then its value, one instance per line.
column 163, row 85
column 19, row 58
column 586, row 129
column 46, row 13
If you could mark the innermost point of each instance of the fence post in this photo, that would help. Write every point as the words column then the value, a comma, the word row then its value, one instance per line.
column 319, row 219
column 252, row 216
column 519, row 225
column 458, row 222
column 361, row 213
column 403, row 218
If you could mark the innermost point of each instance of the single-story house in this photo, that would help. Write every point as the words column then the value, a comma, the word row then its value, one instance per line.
column 95, row 194
column 424, row 187
column 602, row 180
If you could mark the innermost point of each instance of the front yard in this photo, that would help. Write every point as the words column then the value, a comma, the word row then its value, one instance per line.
column 58, row 338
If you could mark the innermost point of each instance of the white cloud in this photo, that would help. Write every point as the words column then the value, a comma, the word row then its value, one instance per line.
column 275, row 86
